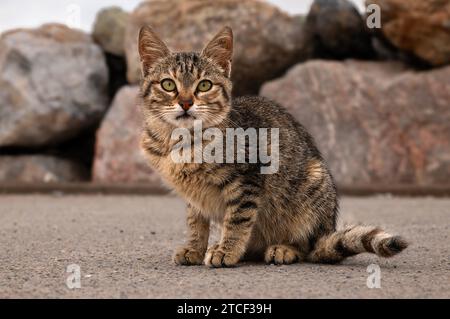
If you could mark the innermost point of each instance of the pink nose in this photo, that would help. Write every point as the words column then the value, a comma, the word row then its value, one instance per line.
column 186, row 104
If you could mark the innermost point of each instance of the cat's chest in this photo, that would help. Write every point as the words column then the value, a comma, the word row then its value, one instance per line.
column 193, row 183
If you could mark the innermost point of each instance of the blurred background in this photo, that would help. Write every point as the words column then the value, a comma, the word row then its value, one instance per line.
column 369, row 79
column 33, row 14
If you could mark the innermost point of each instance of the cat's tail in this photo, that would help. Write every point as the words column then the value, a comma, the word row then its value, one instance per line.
column 354, row 240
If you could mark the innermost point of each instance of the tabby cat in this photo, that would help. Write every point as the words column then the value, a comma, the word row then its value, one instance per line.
column 285, row 217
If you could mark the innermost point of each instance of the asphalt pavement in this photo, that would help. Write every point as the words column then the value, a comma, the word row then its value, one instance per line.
column 121, row 247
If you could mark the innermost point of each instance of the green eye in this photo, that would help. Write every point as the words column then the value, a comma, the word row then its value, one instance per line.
column 168, row 85
column 204, row 86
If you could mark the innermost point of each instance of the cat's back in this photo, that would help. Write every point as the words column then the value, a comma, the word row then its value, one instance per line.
column 261, row 112
column 302, row 179
column 258, row 111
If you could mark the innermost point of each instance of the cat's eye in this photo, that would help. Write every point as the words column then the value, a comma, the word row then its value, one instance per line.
column 168, row 85
column 204, row 86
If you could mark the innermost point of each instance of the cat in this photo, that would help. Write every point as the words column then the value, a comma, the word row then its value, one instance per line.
column 285, row 217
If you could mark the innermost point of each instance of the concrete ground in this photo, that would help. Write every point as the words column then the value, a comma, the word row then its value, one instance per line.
column 123, row 245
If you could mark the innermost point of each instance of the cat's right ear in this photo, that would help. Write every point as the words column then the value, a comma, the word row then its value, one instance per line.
column 151, row 49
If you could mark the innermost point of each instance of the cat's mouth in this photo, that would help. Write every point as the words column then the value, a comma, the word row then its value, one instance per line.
column 185, row 116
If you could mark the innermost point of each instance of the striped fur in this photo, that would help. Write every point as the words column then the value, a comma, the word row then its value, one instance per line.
column 286, row 217
column 355, row 240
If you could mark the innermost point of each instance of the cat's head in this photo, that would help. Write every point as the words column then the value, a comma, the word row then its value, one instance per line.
column 178, row 88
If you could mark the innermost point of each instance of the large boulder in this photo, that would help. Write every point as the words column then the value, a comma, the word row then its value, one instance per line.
column 119, row 157
column 417, row 27
column 53, row 83
column 109, row 33
column 40, row 169
column 334, row 29
column 267, row 40
column 109, row 30
column 375, row 122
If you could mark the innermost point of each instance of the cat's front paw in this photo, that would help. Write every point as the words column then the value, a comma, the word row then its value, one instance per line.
column 217, row 257
column 188, row 256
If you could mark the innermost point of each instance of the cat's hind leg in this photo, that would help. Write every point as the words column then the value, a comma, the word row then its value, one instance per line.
column 282, row 255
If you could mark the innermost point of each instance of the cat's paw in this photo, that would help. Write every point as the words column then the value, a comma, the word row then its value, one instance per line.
column 217, row 257
column 281, row 255
column 188, row 256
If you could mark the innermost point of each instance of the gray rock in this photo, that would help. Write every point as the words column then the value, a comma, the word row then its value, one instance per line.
column 375, row 122
column 53, row 83
column 119, row 157
column 40, row 169
column 267, row 40
column 334, row 29
column 109, row 30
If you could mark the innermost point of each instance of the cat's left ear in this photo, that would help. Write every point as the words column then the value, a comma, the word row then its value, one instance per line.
column 220, row 50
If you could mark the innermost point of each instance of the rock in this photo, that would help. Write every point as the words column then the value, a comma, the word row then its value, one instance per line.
column 53, row 83
column 375, row 122
column 300, row 18
column 109, row 30
column 119, row 157
column 267, row 40
column 417, row 27
column 40, row 169
column 334, row 29
column 109, row 33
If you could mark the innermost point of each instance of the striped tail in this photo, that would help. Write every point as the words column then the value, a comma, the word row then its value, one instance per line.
column 354, row 240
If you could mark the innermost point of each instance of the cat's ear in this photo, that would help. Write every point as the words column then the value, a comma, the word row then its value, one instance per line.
column 151, row 48
column 220, row 50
